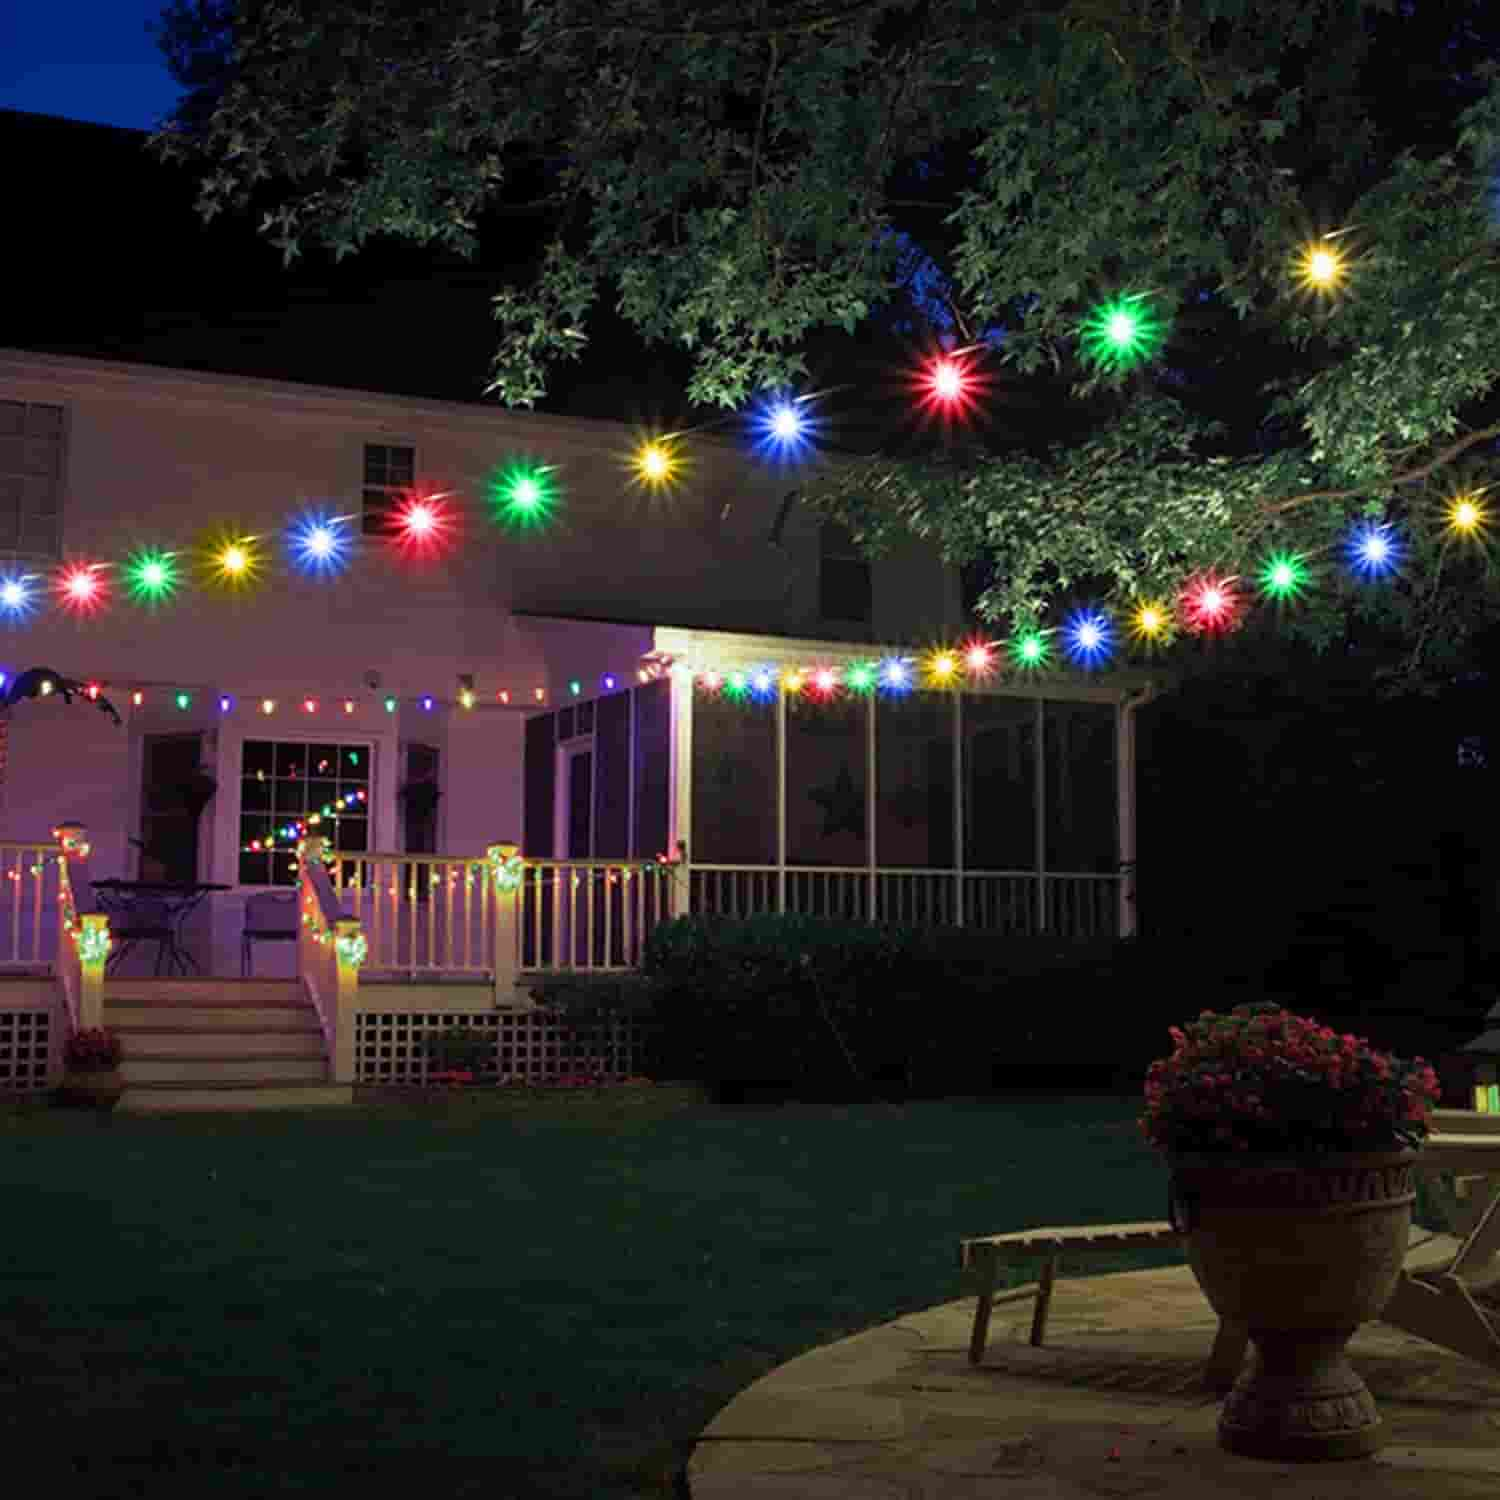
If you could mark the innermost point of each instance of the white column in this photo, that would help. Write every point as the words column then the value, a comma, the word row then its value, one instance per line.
column 1125, row 814
column 958, row 809
column 680, row 806
column 780, row 798
column 872, row 909
column 1041, row 816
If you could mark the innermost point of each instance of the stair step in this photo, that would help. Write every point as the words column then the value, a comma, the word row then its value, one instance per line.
column 232, row 1097
column 216, row 1068
column 204, row 992
column 221, row 1042
column 134, row 1017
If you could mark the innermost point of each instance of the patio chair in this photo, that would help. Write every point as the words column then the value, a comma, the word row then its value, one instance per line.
column 270, row 917
column 144, row 920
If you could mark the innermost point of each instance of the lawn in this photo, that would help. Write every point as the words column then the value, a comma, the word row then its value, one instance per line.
column 476, row 1299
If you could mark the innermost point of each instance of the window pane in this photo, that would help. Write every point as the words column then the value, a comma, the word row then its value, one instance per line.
column 1080, row 791
column 999, row 783
column 354, row 834
column 291, row 759
column 355, row 761
column 825, row 782
column 289, row 796
column 323, row 761
column 259, row 758
column 914, row 781
column 734, row 782
column 255, row 869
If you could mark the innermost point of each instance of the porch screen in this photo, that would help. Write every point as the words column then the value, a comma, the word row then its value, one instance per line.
column 1081, row 787
column 826, row 757
column 734, row 782
column 999, row 770
column 283, row 785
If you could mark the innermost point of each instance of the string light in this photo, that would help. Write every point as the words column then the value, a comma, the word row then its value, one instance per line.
column 1030, row 650
column 1088, row 638
column 319, row 543
column 895, row 675
column 762, row 684
column 657, row 463
column 1320, row 267
column 860, row 678
column 1151, row 622
column 184, row 701
column 1468, row 516
column 979, row 658
column 781, row 429
column 1210, row 605
column 226, row 703
column 268, row 706
column 948, row 385
column 151, row 576
column 424, row 526
column 942, row 669
column 1284, row 577
column 1122, row 333
column 825, row 682
column 1374, row 548
column 390, row 705
column 17, row 595
column 523, row 493
column 81, row 588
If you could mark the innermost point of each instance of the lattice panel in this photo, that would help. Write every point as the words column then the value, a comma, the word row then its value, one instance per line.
column 532, row 1046
column 25, row 1047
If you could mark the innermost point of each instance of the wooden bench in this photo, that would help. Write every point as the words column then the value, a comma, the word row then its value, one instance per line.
column 1433, row 1299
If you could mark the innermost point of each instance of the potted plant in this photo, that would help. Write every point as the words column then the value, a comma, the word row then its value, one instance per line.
column 91, row 1069
column 1291, row 1153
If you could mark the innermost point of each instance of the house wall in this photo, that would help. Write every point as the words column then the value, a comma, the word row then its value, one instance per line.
column 167, row 459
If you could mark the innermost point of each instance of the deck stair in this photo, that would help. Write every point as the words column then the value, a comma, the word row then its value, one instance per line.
column 219, row 1044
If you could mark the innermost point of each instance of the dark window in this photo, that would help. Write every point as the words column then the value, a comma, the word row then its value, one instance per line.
column 419, row 800
column 174, row 792
column 292, row 788
column 33, row 445
column 844, row 589
column 389, row 470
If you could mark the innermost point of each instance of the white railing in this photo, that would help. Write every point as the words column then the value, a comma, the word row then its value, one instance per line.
column 431, row 914
column 420, row 913
column 28, row 893
column 1021, row 902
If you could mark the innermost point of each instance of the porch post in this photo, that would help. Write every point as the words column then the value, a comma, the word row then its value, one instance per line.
column 680, row 811
column 780, row 798
column 872, row 856
column 505, row 880
column 958, row 808
column 1041, row 816
column 1125, row 814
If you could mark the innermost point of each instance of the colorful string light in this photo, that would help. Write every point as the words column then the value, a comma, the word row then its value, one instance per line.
column 1030, row 650
column 320, row 544
column 1374, row 549
column 523, row 493
column 17, row 596
column 1284, row 577
column 1151, row 623
column 1210, row 604
column 948, row 385
column 1088, row 638
column 1122, row 333
column 151, row 576
column 657, row 463
column 81, row 588
column 424, row 526
column 1320, row 267
column 782, row 429
column 1468, row 516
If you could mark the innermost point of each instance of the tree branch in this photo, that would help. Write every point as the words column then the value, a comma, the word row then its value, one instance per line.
column 1410, row 476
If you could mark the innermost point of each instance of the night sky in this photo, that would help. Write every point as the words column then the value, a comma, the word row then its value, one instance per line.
column 84, row 59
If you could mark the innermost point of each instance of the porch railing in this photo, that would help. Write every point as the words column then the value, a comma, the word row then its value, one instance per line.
column 28, row 905
column 1018, row 902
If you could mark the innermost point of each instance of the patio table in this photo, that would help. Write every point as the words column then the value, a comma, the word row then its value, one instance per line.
column 123, row 898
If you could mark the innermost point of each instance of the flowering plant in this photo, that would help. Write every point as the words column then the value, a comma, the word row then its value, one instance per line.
column 92, row 1050
column 1262, row 1079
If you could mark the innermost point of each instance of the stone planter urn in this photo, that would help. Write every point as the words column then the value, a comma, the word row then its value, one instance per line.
column 1299, row 1250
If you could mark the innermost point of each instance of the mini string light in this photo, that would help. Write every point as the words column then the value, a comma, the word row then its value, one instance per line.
column 942, row 669
column 1030, row 649
column 895, row 675
column 781, row 428
column 268, row 706
column 1122, row 333
column 151, row 576
column 948, row 385
column 81, row 588
column 390, row 705
column 979, row 658
column 1151, row 622
column 320, row 543
column 226, row 703
column 1320, row 267
column 1210, row 605
column 1374, row 548
column 1284, row 577
column 523, row 493
column 860, row 678
column 17, row 595
column 184, row 701
column 762, row 683
column 424, row 526
column 825, row 682
column 1467, row 516
column 657, row 463
column 1088, row 638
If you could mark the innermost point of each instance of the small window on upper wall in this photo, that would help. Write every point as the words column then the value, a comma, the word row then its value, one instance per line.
column 33, row 448
column 844, row 587
column 389, row 470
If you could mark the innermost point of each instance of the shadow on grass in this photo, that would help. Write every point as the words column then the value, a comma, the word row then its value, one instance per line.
column 481, row 1294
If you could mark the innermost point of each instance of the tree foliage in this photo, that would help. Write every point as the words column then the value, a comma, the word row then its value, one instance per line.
column 737, row 178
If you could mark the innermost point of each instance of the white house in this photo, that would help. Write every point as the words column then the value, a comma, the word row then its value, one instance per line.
column 565, row 681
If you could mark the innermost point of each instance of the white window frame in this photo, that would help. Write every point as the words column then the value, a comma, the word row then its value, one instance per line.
column 54, row 554
column 391, row 491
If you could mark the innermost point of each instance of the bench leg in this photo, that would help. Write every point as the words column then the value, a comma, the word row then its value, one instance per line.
column 1043, row 1301
column 977, row 1340
column 1226, row 1356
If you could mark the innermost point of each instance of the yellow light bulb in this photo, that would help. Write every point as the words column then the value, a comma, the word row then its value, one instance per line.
column 1321, row 268
column 655, row 462
column 943, row 666
column 1466, row 516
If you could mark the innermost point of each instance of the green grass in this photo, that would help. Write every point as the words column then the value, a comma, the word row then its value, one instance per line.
column 481, row 1299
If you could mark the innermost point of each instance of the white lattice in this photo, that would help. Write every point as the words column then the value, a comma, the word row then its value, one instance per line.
column 25, row 1048
column 530, row 1046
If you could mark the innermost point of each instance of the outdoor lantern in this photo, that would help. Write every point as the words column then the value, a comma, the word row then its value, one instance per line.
column 1486, row 1089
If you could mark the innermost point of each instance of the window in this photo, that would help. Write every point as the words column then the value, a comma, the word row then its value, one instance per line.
column 32, row 443
column 284, row 786
column 844, row 591
column 388, row 471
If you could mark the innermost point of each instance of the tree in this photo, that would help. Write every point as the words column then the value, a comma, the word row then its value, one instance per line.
column 1115, row 202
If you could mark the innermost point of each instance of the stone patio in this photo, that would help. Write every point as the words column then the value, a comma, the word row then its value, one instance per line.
column 1113, row 1406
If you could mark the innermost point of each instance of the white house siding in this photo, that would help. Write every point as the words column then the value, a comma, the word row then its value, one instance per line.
column 158, row 458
